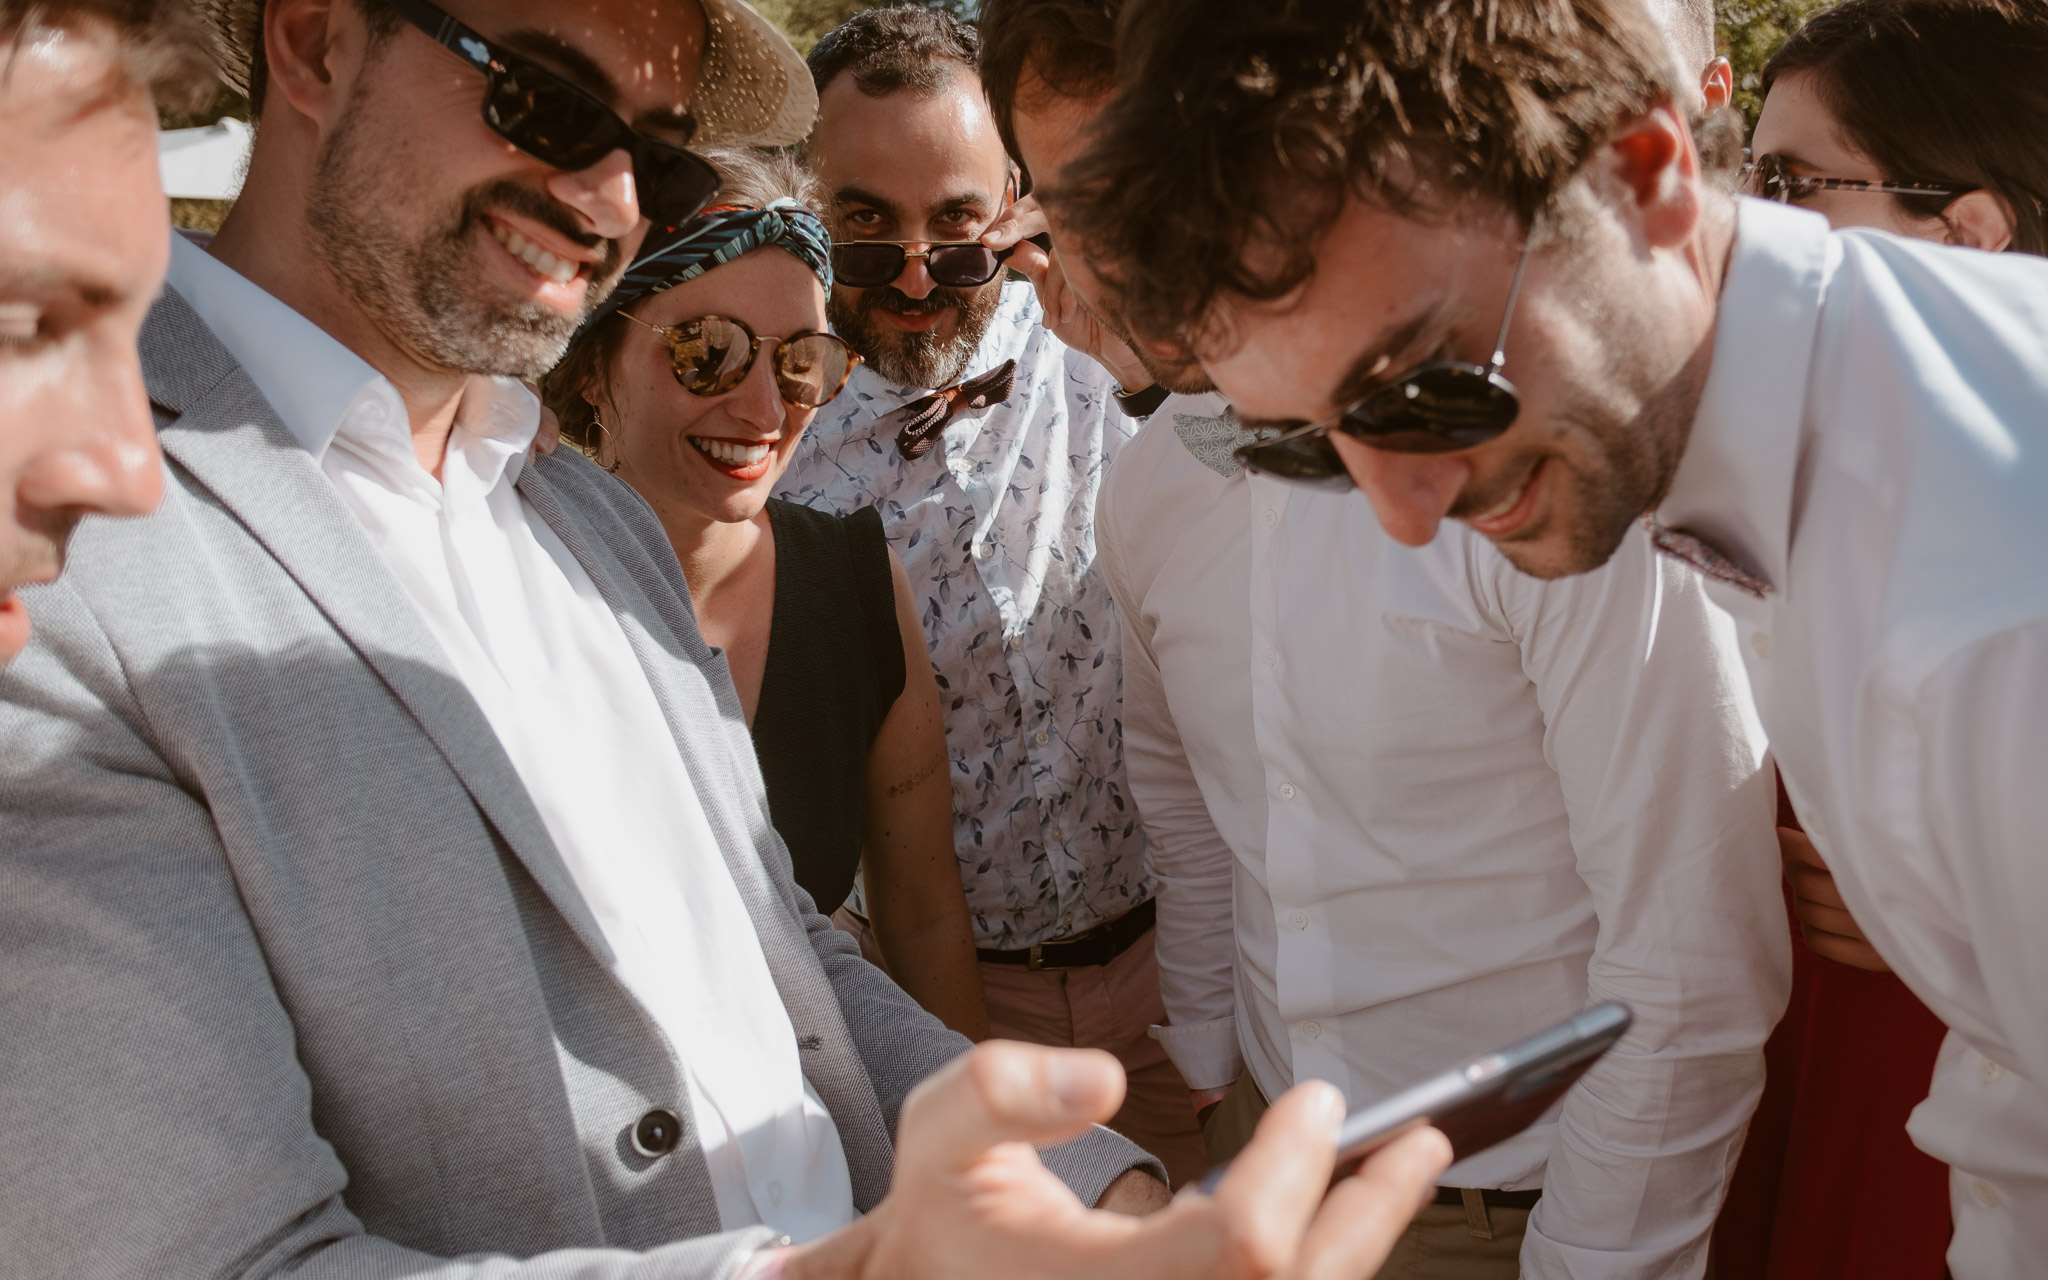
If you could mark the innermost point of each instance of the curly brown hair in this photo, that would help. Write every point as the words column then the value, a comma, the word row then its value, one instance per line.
column 163, row 47
column 1067, row 46
column 1242, row 126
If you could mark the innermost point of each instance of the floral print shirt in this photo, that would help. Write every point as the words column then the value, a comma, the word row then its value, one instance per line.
column 996, row 528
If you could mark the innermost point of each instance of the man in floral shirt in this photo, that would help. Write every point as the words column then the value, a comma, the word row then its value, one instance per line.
column 988, row 494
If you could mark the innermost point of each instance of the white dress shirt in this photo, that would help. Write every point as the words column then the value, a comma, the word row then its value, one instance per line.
column 524, row 628
column 1450, row 805
column 996, row 529
column 1873, row 443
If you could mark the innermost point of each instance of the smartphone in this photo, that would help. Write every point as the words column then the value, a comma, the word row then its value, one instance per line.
column 1487, row 1100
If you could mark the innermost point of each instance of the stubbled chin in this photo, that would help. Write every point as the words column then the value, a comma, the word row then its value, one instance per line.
column 14, row 626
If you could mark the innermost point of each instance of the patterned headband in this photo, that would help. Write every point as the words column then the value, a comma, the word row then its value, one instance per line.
column 714, row 238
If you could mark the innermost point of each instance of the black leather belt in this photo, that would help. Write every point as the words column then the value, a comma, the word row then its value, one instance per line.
column 1493, row 1199
column 1100, row 945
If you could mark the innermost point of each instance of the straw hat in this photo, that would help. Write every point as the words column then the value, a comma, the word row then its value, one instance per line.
column 753, row 88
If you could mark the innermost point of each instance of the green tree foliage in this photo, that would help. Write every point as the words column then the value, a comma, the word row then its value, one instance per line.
column 803, row 21
column 1750, row 31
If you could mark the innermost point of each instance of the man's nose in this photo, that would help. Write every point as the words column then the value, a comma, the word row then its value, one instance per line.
column 105, row 460
column 605, row 194
column 1410, row 492
column 915, row 280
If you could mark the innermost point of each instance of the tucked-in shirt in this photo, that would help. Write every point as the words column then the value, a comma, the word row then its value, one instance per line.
column 996, row 528
column 1872, row 443
column 1452, row 805
column 524, row 628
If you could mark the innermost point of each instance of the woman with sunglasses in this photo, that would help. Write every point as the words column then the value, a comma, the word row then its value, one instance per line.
column 1929, row 119
column 693, row 384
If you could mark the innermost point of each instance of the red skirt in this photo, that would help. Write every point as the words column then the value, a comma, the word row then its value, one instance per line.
column 1829, row 1186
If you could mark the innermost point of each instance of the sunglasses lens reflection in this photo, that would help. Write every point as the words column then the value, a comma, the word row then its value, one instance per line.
column 864, row 266
column 1310, row 460
column 961, row 266
column 811, row 369
column 710, row 355
column 1437, row 409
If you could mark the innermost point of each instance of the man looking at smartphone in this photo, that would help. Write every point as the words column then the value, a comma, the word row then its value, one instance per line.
column 1405, row 807
column 1842, row 430
column 390, row 890
column 982, row 438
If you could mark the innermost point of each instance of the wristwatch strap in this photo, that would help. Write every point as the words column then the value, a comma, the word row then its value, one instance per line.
column 1142, row 404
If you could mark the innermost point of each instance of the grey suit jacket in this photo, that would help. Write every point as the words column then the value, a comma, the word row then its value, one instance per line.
column 291, row 976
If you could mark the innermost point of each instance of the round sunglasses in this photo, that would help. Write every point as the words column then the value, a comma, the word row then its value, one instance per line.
column 711, row 355
column 566, row 126
column 867, row 264
column 1439, row 406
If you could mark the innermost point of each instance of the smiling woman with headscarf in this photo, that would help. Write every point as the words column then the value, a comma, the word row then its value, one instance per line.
column 692, row 384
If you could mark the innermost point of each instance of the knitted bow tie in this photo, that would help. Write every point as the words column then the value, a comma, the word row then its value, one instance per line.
column 925, row 418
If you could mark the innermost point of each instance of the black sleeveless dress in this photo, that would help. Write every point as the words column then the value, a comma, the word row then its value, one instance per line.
column 835, row 667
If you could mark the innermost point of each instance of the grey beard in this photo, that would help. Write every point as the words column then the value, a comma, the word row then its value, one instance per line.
column 426, row 294
column 915, row 359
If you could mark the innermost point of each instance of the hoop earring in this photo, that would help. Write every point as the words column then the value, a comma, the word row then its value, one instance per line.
column 606, row 434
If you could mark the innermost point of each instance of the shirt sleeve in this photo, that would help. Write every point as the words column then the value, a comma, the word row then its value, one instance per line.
column 1981, row 738
column 1190, row 865
column 1669, row 795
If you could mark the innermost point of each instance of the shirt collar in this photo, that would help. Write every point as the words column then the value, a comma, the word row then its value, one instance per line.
column 316, row 384
column 1734, row 488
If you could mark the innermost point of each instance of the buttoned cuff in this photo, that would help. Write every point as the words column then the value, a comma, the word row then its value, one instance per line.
column 1206, row 1052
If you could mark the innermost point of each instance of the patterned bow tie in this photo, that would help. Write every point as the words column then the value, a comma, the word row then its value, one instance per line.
column 924, row 419
column 1705, row 557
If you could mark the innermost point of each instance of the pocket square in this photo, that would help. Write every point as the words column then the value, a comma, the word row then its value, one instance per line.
column 1213, row 441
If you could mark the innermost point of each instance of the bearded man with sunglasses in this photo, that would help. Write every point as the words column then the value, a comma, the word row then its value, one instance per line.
column 1401, row 807
column 390, row 886
column 1843, row 430
column 983, row 438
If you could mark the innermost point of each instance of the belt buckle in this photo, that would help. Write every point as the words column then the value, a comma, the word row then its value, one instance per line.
column 1036, row 960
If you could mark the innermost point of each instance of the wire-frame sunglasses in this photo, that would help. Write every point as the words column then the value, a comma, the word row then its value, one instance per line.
column 868, row 264
column 711, row 355
column 1768, row 177
column 564, row 125
column 1437, row 407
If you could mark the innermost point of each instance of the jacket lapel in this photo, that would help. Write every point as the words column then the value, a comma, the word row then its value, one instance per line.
column 704, row 717
column 223, row 432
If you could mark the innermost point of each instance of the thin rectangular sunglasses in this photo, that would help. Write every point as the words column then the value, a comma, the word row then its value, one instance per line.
column 567, row 126
column 959, row 264
column 1768, row 177
column 1439, row 406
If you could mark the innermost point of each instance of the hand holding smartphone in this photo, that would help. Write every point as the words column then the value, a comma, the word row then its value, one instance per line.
column 1485, row 1101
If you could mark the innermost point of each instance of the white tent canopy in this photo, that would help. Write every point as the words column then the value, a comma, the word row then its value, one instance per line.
column 204, row 164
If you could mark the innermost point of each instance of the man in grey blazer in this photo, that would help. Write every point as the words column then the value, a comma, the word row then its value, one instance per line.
column 308, row 966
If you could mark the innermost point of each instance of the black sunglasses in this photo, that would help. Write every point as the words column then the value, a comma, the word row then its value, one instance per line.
column 561, row 124
column 866, row 264
column 1438, row 407
column 711, row 355
column 1768, row 177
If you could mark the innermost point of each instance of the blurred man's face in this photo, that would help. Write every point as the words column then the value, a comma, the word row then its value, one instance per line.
column 87, row 235
column 929, row 170
column 462, row 249
column 1051, row 130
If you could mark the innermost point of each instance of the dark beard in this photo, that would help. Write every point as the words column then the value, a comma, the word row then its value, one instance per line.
column 427, row 294
column 914, row 359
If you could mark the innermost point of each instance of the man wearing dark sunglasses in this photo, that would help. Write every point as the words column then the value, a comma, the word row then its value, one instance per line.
column 983, row 438
column 390, row 886
column 1842, row 430
column 1384, row 808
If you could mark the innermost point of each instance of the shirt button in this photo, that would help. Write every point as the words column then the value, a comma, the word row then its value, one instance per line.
column 1299, row 920
column 1270, row 516
column 982, row 550
column 1986, row 1194
column 1761, row 642
column 1287, row 791
column 1312, row 1029
column 1039, row 737
column 1058, row 834
column 1990, row 1072
column 1270, row 657
column 1015, row 643
column 656, row 1133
